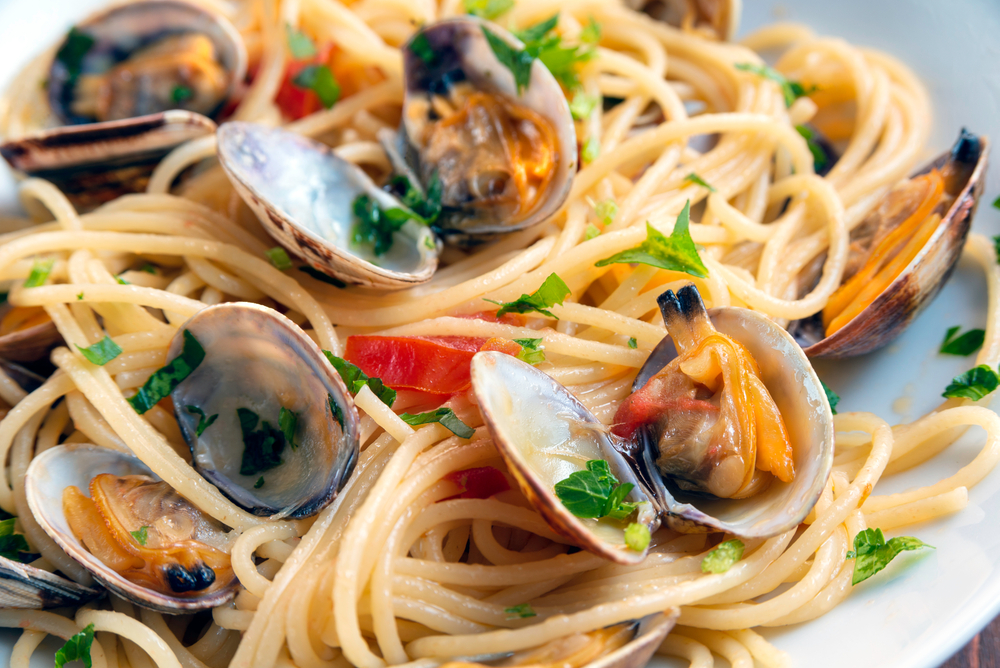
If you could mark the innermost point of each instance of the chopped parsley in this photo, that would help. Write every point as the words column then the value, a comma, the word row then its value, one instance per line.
column 518, row 61
column 79, row 297
column 335, row 410
column 426, row 207
column 583, row 105
column 14, row 546
column 181, row 94
column 259, row 483
column 963, row 345
column 355, row 379
column 299, row 44
column 552, row 291
column 163, row 381
column 376, row 226
column 531, row 350
column 261, row 447
column 872, row 553
column 101, row 352
column 204, row 422
column 973, row 384
column 832, row 397
column 791, row 90
column 121, row 281
column 288, row 421
column 606, row 211
column 591, row 33
column 818, row 154
column 632, row 343
column 445, row 416
column 421, row 47
column 77, row 648
column 637, row 537
column 591, row 149
column 522, row 611
column 591, row 232
column 141, row 536
column 319, row 79
column 595, row 492
column 490, row 10
column 320, row 276
column 148, row 268
column 698, row 181
column 996, row 239
column 73, row 51
column 996, row 205
column 40, row 271
column 674, row 253
column 542, row 43
column 723, row 557
column 279, row 258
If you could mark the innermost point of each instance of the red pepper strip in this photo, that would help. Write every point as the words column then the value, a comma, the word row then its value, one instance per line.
column 436, row 365
column 479, row 483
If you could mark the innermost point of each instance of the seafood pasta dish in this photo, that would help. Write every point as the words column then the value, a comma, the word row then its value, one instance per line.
column 465, row 333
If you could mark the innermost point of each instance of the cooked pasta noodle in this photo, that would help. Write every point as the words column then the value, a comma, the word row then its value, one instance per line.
column 399, row 569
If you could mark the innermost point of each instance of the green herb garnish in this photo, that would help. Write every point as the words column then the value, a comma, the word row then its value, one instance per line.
column 77, row 648
column 698, row 181
column 101, row 352
column 973, row 384
column 522, row 611
column 319, row 79
column 259, row 483
column 335, row 410
column 355, row 379
column 288, row 421
column 552, row 291
column 490, row 10
column 818, row 154
column 73, row 51
column 531, row 350
column 426, row 207
column 279, row 258
column 320, row 276
column 204, row 422
column 632, row 343
column 163, row 382
column 637, row 537
column 40, row 271
column 595, row 492
column 606, row 211
column 591, row 232
column 261, row 447
column 148, row 268
column 996, row 205
column 121, row 281
column 141, row 536
column 518, row 61
column 299, row 44
column 421, row 46
column 445, row 416
column 583, row 105
column 79, row 297
column 722, row 558
column 591, row 33
column 872, row 553
column 14, row 546
column 792, row 90
column 591, row 149
column 832, row 397
column 996, row 239
column 674, row 253
column 181, row 94
column 963, row 345
column 540, row 42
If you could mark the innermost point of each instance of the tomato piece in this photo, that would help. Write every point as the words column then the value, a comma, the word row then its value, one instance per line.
column 506, row 346
column 296, row 102
column 479, row 483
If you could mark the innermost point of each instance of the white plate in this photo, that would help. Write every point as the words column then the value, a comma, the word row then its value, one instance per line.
column 924, row 607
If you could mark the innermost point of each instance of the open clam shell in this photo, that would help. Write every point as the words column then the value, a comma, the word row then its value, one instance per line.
column 718, row 17
column 801, row 400
column 304, row 196
column 650, row 632
column 63, row 466
column 919, row 283
column 28, row 344
column 446, row 65
column 25, row 587
column 260, row 367
column 544, row 435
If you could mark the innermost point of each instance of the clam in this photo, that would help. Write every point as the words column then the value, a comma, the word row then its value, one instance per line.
column 134, row 533
column 268, row 419
column 126, row 86
column 503, row 156
column 24, row 587
column 719, row 18
column 26, row 333
column 732, row 434
column 900, row 255
column 306, row 197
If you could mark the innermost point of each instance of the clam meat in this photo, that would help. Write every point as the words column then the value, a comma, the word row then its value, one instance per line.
column 727, row 429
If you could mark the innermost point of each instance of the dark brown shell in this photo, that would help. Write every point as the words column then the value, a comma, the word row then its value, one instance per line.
column 31, row 344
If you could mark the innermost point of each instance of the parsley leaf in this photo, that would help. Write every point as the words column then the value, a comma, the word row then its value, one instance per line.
column 319, row 79
column 541, row 43
column 583, row 105
column 637, row 536
column 445, row 416
column 591, row 149
column 181, row 94
column 320, row 276
column 73, row 51
column 973, row 384
column 698, row 181
column 818, row 154
column 261, row 447
column 591, row 33
column 299, row 43
column 872, row 553
column 79, row 297
column 722, row 558
column 288, row 421
column 488, row 9
column 832, row 397
column 163, row 382
column 632, row 343
column 421, row 47
column 531, row 350
column 996, row 205
column 148, row 268
column 141, row 536
column 595, row 492
column 522, row 611
column 77, row 648
column 355, row 379
column 40, row 271
column 203, row 421
column 963, row 345
column 121, row 281
column 591, row 232
column 376, row 226
column 259, row 483
column 996, row 239
column 518, row 61
column 101, row 352
column 552, row 291
column 674, row 253
column 792, row 90
column 279, row 258
column 335, row 410
column 14, row 546
column 606, row 211
column 427, row 207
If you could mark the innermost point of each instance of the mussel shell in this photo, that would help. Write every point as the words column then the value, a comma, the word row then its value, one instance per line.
column 919, row 283
column 297, row 186
column 244, row 344
column 722, row 17
column 462, row 53
column 530, row 417
column 51, row 472
column 799, row 395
